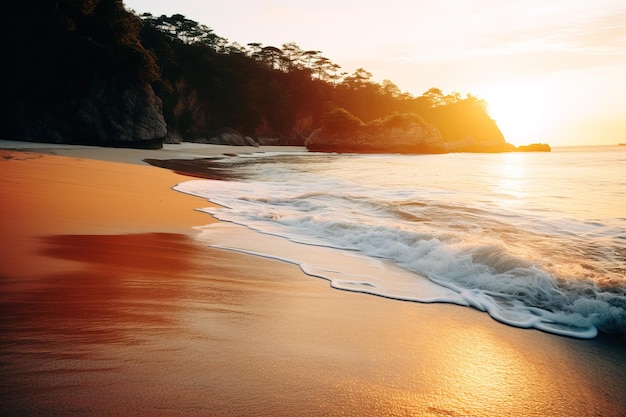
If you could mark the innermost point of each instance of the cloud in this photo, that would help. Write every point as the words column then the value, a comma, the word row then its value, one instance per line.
column 584, row 39
column 602, row 34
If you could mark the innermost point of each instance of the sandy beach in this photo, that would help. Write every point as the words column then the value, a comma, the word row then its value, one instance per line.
column 109, row 306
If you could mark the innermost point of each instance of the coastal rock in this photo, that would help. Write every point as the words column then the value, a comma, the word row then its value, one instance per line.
column 534, row 147
column 173, row 136
column 250, row 142
column 227, row 136
column 270, row 141
column 399, row 133
column 122, row 115
column 103, row 113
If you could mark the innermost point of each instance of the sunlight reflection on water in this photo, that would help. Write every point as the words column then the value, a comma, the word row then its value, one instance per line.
column 512, row 175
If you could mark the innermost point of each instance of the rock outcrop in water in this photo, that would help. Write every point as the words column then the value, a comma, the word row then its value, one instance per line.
column 534, row 147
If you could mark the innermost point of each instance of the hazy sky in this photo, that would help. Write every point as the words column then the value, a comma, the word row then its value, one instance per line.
column 551, row 70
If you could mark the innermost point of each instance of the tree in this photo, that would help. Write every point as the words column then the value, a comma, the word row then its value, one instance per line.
column 333, row 73
column 340, row 119
column 390, row 89
column 359, row 79
column 292, row 57
column 322, row 67
column 186, row 30
column 434, row 97
column 310, row 57
column 476, row 102
column 271, row 56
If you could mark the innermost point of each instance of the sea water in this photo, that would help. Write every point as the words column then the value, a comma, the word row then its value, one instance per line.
column 536, row 240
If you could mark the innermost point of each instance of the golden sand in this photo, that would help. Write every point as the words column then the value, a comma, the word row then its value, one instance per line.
column 46, row 195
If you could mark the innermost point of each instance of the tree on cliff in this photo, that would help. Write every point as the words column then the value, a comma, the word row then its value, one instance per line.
column 460, row 119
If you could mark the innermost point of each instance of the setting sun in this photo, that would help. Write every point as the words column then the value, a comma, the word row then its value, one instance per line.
column 521, row 109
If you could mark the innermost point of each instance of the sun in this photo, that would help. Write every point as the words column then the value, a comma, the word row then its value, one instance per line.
column 522, row 110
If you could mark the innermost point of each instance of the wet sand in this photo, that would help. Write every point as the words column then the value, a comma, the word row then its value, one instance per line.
column 109, row 306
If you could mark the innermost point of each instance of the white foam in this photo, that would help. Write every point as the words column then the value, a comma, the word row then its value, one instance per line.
column 344, row 269
column 351, row 271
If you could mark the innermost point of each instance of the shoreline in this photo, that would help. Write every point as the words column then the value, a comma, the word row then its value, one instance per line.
column 106, row 295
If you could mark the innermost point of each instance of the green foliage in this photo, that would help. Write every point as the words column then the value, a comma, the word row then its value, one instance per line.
column 340, row 119
column 458, row 118
column 397, row 120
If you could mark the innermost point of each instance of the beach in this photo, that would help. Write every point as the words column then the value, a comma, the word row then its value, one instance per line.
column 110, row 306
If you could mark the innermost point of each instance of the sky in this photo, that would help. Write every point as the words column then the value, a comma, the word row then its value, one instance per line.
column 552, row 71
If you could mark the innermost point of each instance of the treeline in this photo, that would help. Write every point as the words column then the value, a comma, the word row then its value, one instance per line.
column 282, row 93
column 275, row 94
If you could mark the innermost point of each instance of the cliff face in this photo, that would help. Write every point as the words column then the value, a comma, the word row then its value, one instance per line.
column 76, row 72
column 105, row 113
column 197, row 106
column 467, row 127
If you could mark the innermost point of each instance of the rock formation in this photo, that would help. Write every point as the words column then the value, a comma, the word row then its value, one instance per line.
column 399, row 133
column 226, row 136
column 106, row 113
column 534, row 147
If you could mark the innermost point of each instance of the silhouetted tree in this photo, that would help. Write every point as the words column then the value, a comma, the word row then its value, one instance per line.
column 272, row 56
column 292, row 57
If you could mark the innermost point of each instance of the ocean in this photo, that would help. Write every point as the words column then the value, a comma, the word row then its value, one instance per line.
column 535, row 240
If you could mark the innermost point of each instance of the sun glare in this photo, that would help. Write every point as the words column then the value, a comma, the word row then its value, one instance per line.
column 521, row 110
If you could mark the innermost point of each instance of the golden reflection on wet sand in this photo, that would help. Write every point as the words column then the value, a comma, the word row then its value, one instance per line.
column 187, row 330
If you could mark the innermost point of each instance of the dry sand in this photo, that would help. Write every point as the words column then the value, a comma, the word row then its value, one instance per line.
column 108, row 306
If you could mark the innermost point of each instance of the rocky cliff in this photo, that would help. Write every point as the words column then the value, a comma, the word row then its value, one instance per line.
column 76, row 72
column 106, row 113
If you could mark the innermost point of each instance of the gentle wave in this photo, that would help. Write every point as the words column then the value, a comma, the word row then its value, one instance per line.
column 555, row 274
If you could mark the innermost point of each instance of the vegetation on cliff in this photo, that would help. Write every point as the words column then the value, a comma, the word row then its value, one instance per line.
column 94, row 72
column 397, row 133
